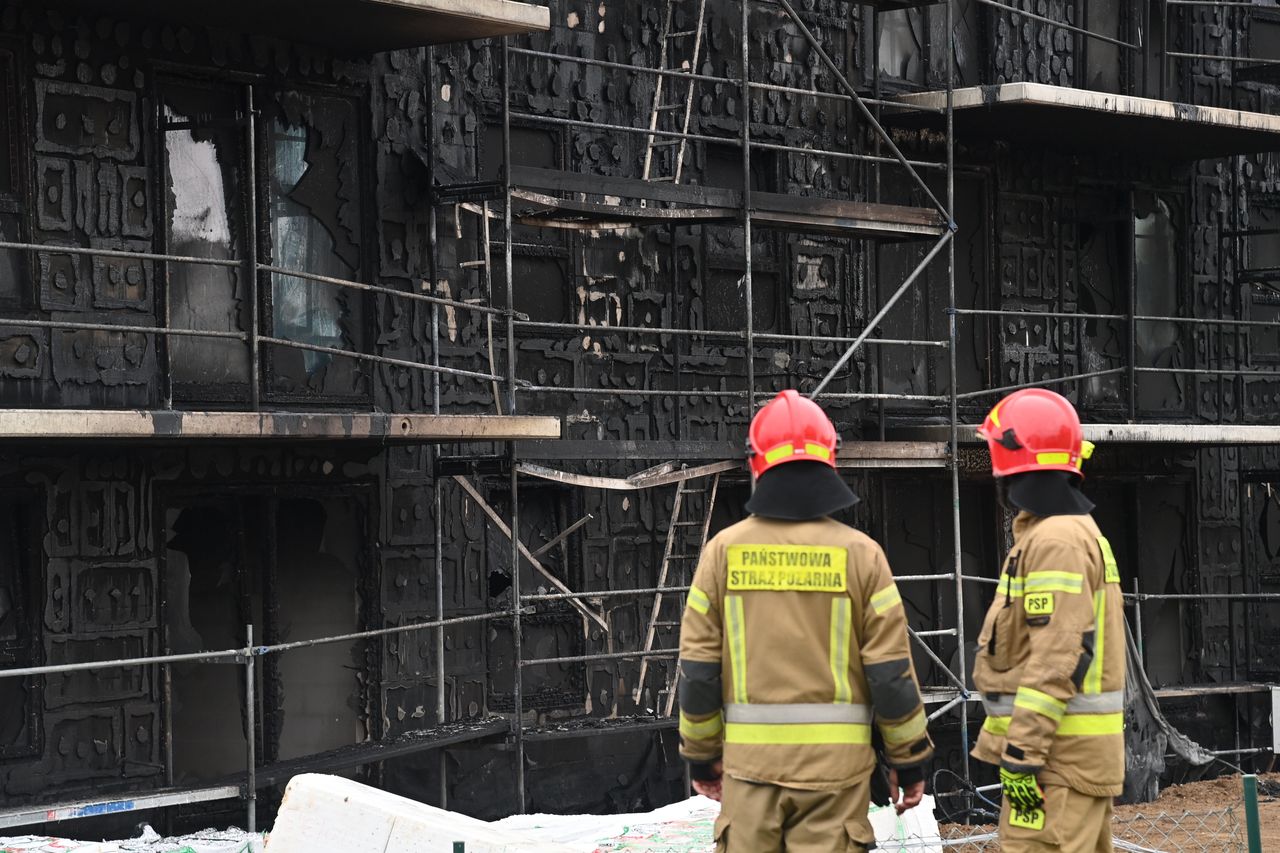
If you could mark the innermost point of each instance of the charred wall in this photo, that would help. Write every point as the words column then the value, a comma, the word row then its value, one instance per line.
column 126, row 134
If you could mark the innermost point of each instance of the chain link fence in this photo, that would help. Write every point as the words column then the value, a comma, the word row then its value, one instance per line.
column 1192, row 831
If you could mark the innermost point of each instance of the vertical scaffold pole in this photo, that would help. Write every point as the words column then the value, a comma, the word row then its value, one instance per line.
column 250, row 733
column 953, row 339
column 747, row 290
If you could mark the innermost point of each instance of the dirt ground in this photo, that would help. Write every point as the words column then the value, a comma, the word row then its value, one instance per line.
column 1166, row 825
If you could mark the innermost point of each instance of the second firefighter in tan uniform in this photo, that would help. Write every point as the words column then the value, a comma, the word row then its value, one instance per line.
column 1052, row 651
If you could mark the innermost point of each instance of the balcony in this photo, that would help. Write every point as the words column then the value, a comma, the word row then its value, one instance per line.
column 138, row 424
column 1080, row 118
column 346, row 26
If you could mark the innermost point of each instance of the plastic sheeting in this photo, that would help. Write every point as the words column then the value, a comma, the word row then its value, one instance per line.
column 209, row 841
column 686, row 827
column 1149, row 735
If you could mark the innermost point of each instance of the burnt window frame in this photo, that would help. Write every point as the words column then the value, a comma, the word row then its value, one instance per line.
column 228, row 394
column 30, row 584
column 1258, row 297
column 564, row 245
column 365, row 169
column 232, row 395
column 1179, row 198
column 255, row 591
column 565, row 507
column 21, row 164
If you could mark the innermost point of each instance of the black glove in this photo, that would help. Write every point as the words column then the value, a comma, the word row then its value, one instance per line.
column 703, row 771
column 880, row 785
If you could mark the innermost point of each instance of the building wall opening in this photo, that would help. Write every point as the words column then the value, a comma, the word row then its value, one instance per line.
column 292, row 567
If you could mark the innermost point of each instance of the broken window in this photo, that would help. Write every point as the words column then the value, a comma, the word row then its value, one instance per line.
column 1101, row 233
column 203, row 165
column 13, row 267
column 290, row 566
column 1156, row 284
column 1261, row 273
column 1264, row 38
column 315, row 225
column 903, row 38
column 19, row 624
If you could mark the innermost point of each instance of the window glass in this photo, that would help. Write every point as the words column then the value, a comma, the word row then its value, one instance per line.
column 13, row 265
column 315, row 227
column 204, row 160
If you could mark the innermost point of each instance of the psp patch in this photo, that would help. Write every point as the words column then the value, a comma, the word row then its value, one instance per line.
column 1038, row 603
column 1027, row 818
column 787, row 568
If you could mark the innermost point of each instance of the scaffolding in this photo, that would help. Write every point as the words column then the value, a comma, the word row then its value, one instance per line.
column 543, row 198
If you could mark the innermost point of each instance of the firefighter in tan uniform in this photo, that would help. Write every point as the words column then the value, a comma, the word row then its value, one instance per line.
column 1051, row 654
column 793, row 645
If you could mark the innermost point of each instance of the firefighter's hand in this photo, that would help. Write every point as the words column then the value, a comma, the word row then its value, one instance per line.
column 711, row 788
column 911, row 793
column 1022, row 790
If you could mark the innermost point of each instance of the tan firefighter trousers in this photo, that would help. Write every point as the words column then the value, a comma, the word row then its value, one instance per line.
column 1073, row 823
column 759, row 818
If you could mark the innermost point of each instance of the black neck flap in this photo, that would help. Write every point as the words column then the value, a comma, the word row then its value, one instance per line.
column 800, row 491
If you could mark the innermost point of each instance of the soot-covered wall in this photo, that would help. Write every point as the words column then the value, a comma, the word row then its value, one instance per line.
column 127, row 134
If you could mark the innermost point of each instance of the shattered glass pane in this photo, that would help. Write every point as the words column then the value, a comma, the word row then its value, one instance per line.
column 1156, row 271
column 8, row 144
column 13, row 270
column 901, row 46
column 17, row 639
column 315, row 228
column 1156, row 288
column 203, row 164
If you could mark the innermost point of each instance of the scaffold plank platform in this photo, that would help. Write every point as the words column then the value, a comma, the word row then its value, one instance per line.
column 123, row 802
column 551, row 198
column 1103, row 434
column 84, row 424
column 350, row 26
column 853, row 454
column 361, row 754
column 596, row 726
column 1080, row 118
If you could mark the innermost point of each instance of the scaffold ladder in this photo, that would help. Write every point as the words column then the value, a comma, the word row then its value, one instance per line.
column 679, row 560
column 485, row 265
column 679, row 52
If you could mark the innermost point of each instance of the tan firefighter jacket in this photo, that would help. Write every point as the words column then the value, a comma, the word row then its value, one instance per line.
column 794, row 640
column 1052, row 656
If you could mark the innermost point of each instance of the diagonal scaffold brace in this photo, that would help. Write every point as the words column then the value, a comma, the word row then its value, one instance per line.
column 885, row 309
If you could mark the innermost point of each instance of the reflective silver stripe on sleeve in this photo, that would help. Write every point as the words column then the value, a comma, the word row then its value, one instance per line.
column 1001, row 704
column 797, row 713
column 1097, row 703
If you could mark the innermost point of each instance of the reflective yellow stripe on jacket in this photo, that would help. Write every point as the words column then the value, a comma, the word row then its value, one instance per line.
column 841, row 626
column 735, row 629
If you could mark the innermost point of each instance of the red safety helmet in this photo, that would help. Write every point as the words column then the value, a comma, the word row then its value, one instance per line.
column 791, row 428
column 1035, row 430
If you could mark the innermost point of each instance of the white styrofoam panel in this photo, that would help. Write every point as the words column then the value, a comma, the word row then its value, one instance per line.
column 327, row 814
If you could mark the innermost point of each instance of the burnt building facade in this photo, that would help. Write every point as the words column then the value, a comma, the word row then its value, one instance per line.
column 302, row 315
